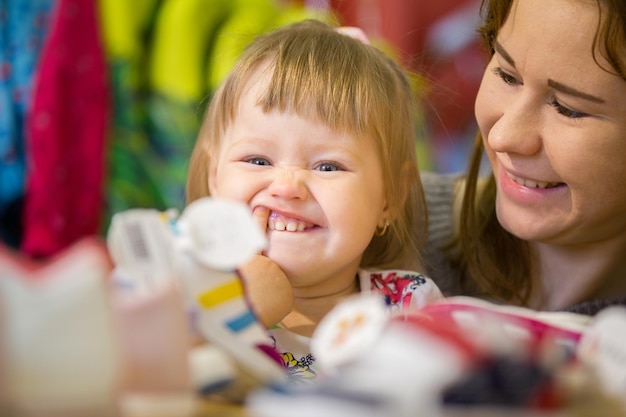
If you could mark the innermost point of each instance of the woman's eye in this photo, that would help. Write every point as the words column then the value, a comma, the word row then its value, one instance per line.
column 507, row 78
column 257, row 160
column 328, row 167
column 567, row 112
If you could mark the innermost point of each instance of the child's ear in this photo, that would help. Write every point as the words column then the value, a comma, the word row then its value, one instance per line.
column 212, row 179
column 384, row 220
column 385, row 215
column 405, row 186
column 403, row 191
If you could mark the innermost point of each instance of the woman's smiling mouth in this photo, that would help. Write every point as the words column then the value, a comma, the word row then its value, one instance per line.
column 531, row 183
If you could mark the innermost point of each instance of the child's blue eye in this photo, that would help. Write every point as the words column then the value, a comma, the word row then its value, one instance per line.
column 257, row 160
column 328, row 167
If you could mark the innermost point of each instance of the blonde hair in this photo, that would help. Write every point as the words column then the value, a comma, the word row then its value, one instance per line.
column 352, row 87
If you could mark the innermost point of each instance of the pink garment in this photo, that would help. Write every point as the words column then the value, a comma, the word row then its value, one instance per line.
column 65, row 133
column 58, row 334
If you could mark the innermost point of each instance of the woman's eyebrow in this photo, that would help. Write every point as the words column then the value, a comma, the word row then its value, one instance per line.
column 573, row 92
column 502, row 52
column 554, row 84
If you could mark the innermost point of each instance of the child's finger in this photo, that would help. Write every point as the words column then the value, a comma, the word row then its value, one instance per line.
column 261, row 214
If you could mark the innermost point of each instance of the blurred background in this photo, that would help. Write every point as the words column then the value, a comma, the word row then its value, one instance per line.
column 101, row 100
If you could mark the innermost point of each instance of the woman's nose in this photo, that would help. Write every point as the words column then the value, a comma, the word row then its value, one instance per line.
column 288, row 183
column 518, row 128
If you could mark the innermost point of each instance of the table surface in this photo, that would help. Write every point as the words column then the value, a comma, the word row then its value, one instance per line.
column 214, row 408
column 179, row 406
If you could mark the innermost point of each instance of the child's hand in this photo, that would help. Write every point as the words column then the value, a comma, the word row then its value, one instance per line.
column 267, row 286
column 268, row 289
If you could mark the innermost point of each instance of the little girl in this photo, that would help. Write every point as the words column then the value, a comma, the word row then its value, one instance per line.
column 315, row 131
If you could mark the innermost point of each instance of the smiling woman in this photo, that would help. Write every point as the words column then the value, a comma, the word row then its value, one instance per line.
column 547, row 228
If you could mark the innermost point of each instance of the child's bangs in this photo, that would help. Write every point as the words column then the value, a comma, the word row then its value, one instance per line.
column 320, row 85
column 338, row 82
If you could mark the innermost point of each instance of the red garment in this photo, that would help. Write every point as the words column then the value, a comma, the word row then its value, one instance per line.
column 65, row 134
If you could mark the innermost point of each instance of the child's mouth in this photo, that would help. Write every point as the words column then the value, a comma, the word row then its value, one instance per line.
column 281, row 223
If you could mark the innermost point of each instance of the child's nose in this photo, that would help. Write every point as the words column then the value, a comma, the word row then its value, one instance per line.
column 288, row 183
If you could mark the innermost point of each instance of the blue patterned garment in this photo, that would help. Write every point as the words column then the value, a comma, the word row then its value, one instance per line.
column 23, row 30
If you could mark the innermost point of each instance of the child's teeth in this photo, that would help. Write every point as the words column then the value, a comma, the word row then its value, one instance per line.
column 292, row 226
column 280, row 223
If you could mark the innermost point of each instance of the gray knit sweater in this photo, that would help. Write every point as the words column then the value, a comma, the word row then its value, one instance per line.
column 439, row 190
